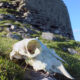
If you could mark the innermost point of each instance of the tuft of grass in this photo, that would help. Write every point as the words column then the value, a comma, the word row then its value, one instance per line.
column 6, row 46
column 6, row 0
column 10, row 70
column 8, row 11
column 16, row 23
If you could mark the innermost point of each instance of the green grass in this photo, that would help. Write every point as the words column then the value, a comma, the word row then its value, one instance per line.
column 72, row 60
column 8, row 11
column 6, row 0
column 6, row 46
column 16, row 23
column 8, row 69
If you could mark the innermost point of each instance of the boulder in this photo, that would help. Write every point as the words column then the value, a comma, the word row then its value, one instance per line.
column 72, row 51
column 48, row 36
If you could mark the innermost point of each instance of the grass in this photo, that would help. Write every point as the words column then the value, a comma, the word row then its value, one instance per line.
column 6, row 46
column 8, row 69
column 72, row 60
column 9, row 11
column 6, row 1
column 16, row 23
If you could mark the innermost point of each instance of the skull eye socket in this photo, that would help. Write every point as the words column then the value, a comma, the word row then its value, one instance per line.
column 32, row 45
column 31, row 51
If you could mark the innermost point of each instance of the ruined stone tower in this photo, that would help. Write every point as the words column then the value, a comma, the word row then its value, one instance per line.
column 49, row 15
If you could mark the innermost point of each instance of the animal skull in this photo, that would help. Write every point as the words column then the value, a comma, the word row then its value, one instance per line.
column 39, row 56
column 27, row 48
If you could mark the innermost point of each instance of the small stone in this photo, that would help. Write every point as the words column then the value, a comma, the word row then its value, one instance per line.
column 1, row 4
column 64, row 49
column 25, row 29
column 13, row 27
column 11, row 16
column 57, row 31
column 72, row 51
column 7, row 29
column 1, row 16
column 48, row 36
column 13, row 36
column 7, row 24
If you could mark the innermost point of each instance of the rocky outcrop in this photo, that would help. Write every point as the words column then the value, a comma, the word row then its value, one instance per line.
column 48, row 15
column 44, row 15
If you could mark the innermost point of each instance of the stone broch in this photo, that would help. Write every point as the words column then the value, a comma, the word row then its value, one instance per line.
column 48, row 15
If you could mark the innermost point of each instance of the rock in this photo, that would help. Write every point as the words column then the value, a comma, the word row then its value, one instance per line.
column 24, row 35
column 10, row 16
column 48, row 36
column 48, row 78
column 1, row 16
column 7, row 16
column 57, row 31
column 33, row 75
column 6, row 5
column 13, row 27
column 64, row 49
column 52, row 15
column 72, row 51
column 7, row 29
column 1, row 4
column 7, row 24
column 13, row 36
column 25, row 29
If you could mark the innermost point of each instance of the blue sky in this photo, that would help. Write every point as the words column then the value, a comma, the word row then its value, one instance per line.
column 74, row 13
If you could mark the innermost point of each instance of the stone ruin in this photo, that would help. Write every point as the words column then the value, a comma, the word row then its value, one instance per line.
column 48, row 16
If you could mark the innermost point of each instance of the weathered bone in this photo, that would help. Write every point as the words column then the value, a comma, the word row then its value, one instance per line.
column 26, row 48
column 39, row 56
